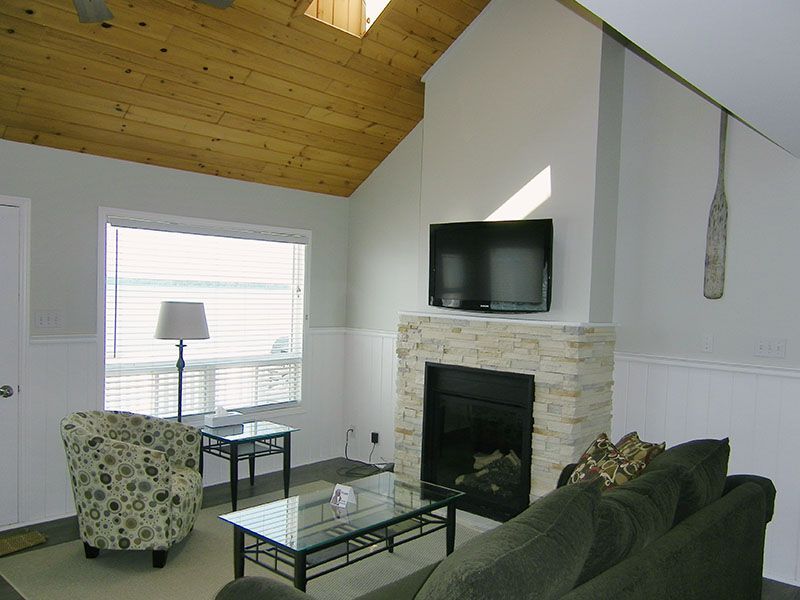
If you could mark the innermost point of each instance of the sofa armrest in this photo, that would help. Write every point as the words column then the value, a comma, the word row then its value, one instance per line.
column 566, row 473
column 766, row 485
column 259, row 588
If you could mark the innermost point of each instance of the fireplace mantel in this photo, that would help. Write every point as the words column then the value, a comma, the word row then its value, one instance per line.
column 573, row 366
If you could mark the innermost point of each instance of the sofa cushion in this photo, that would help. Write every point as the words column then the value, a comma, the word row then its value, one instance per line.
column 537, row 554
column 633, row 448
column 602, row 460
column 703, row 466
column 630, row 517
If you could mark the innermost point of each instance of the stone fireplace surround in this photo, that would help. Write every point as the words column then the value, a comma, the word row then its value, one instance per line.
column 572, row 364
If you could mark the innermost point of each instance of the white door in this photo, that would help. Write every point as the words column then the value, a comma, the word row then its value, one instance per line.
column 10, row 228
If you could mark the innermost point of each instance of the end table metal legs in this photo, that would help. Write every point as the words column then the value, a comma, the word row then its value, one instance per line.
column 234, row 464
column 287, row 463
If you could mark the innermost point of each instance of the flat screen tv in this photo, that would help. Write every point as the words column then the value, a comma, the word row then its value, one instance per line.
column 494, row 266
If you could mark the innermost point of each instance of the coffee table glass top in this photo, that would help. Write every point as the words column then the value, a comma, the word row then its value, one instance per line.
column 245, row 432
column 308, row 521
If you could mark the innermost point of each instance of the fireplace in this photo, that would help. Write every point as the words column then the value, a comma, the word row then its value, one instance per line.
column 573, row 364
column 476, row 436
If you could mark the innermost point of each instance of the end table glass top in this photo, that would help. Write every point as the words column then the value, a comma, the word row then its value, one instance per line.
column 307, row 521
column 246, row 432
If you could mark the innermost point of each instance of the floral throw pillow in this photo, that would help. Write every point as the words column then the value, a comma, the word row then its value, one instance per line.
column 604, row 462
column 632, row 448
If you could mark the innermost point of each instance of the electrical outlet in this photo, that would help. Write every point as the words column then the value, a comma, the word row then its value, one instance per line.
column 374, row 437
column 47, row 319
column 708, row 342
column 770, row 348
column 351, row 430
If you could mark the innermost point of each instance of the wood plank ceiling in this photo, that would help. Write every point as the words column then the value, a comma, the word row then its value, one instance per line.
column 258, row 91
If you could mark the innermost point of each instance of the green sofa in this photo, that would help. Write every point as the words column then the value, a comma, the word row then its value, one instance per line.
column 681, row 530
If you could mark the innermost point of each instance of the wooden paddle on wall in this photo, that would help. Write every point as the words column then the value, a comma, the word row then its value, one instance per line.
column 716, row 236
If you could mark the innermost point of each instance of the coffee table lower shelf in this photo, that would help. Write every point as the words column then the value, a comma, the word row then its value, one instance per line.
column 350, row 546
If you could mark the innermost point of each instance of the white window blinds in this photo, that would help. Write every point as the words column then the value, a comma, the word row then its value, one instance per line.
column 253, row 290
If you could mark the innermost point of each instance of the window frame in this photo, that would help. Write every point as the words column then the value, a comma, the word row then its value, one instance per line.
column 186, row 224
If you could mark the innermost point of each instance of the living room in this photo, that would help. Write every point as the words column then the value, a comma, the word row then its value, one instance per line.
column 624, row 160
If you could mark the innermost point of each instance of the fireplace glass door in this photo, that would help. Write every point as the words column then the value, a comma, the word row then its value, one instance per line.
column 477, row 429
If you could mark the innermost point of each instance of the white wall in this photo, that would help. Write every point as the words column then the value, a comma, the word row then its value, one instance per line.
column 667, row 180
column 609, row 141
column 517, row 93
column 384, row 239
column 743, row 54
column 665, row 387
column 66, row 189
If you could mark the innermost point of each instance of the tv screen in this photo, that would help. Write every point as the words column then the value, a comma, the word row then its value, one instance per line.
column 495, row 266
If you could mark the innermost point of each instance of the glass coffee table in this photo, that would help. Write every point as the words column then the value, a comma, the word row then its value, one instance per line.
column 305, row 536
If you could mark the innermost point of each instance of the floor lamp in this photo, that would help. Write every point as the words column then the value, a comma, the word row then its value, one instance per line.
column 181, row 321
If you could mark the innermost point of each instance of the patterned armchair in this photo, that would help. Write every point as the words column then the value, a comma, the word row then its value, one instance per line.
column 135, row 479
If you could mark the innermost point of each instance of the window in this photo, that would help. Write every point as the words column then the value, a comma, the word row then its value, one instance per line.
column 253, row 286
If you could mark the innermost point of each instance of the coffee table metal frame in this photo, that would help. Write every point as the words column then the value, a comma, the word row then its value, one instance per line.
column 349, row 544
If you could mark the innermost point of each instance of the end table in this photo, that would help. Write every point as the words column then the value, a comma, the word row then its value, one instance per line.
column 248, row 441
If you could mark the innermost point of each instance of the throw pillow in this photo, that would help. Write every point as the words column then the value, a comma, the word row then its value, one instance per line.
column 537, row 554
column 632, row 448
column 604, row 462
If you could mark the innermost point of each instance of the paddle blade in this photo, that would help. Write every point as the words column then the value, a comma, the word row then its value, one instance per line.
column 716, row 242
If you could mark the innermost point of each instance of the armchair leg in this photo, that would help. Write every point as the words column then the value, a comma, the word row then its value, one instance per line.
column 90, row 551
column 159, row 559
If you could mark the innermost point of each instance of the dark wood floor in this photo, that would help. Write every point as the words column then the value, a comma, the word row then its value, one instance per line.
column 339, row 469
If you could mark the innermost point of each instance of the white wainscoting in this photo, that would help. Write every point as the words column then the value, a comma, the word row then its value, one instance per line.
column 63, row 379
column 758, row 408
column 370, row 390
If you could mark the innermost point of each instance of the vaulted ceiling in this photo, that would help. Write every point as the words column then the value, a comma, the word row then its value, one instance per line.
column 258, row 91
column 744, row 55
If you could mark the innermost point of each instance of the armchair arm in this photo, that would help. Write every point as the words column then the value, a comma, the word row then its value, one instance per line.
column 181, row 444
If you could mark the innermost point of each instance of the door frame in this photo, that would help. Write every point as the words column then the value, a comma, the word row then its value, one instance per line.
column 24, row 206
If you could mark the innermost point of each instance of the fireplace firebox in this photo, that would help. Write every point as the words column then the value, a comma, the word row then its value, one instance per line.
column 476, row 437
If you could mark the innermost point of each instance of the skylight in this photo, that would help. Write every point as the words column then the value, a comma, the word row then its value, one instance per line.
column 352, row 16
column 373, row 9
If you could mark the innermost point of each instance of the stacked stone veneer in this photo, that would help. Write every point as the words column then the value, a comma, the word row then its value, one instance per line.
column 572, row 366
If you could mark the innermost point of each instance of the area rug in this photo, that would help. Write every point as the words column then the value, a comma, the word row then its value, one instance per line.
column 199, row 566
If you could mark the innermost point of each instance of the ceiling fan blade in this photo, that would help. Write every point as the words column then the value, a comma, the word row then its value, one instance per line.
column 218, row 3
column 92, row 11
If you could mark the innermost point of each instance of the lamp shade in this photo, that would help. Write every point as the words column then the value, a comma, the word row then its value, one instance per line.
column 182, row 321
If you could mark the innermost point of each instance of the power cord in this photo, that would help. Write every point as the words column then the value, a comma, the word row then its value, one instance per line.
column 364, row 468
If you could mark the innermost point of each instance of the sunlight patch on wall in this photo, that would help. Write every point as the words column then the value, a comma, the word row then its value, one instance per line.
column 529, row 197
